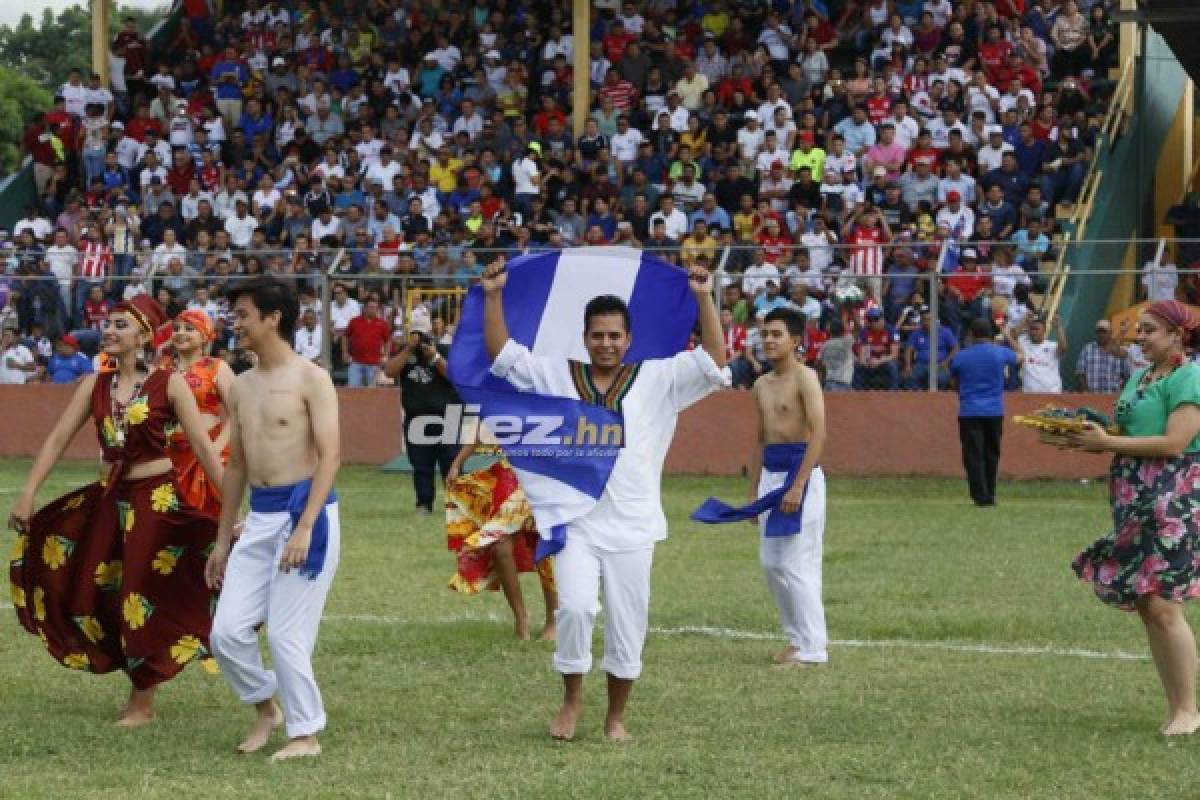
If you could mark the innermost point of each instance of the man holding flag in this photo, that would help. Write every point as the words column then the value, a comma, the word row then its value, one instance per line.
column 609, row 534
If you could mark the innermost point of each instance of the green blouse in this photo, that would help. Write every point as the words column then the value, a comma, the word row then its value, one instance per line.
column 1144, row 411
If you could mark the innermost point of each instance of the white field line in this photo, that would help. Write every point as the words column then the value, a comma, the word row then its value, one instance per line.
column 983, row 648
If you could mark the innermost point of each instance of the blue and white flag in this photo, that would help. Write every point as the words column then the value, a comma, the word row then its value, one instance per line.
column 544, row 301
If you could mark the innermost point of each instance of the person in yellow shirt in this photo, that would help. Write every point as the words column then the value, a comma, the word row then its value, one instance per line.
column 716, row 21
column 691, row 87
column 443, row 172
column 806, row 155
column 746, row 221
column 700, row 244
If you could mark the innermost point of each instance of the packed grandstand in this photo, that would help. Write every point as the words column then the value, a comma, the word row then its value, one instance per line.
column 818, row 154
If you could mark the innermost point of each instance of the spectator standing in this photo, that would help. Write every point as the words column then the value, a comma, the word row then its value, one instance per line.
column 67, row 365
column 364, row 345
column 1102, row 362
column 1042, row 371
column 17, row 364
column 425, row 393
column 978, row 372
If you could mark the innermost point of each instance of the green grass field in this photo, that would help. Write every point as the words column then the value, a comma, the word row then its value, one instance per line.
column 956, row 672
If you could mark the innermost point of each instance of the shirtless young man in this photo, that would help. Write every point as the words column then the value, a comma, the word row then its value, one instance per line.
column 284, row 442
column 788, row 496
column 791, row 415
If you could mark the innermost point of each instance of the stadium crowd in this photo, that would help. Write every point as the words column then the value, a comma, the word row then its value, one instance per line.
column 817, row 152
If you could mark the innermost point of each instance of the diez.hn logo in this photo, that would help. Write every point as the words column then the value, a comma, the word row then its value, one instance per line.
column 547, row 435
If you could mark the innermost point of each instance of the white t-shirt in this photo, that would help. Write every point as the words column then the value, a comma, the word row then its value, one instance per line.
column 241, row 230
column 341, row 315
column 308, row 343
column 320, row 229
column 1040, row 373
column 524, row 170
column 755, row 278
column 625, row 145
column 749, row 142
column 21, row 355
column 1160, row 281
column 62, row 261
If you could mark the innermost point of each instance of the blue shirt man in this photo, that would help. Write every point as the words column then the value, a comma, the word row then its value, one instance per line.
column 68, row 365
column 918, row 346
column 979, row 372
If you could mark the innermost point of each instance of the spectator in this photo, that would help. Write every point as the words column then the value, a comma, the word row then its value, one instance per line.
column 17, row 363
column 308, row 336
column 1102, row 362
column 878, row 354
column 1160, row 279
column 364, row 345
column 67, row 365
column 978, row 373
column 1041, row 371
column 915, row 374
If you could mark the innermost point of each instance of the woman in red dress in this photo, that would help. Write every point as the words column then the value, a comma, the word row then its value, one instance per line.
column 210, row 380
column 111, row 576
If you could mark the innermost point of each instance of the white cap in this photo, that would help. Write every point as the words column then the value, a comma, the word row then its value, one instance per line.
column 994, row 129
column 492, row 54
column 278, row 62
column 880, row 172
column 750, row 115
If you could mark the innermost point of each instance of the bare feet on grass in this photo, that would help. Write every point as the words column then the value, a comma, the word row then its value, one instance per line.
column 300, row 747
column 521, row 628
column 785, row 655
column 548, row 632
column 1183, row 724
column 138, row 711
column 562, row 727
column 614, row 731
column 267, row 717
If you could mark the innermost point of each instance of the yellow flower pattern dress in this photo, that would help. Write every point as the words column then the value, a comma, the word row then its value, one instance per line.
column 111, row 576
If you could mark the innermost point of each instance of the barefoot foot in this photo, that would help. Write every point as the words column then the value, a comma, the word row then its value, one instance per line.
column 614, row 731
column 548, row 633
column 786, row 655
column 266, row 719
column 562, row 727
column 135, row 718
column 1182, row 725
column 300, row 747
column 521, row 628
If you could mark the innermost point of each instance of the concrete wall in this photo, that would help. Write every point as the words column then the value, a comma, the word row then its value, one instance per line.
column 870, row 433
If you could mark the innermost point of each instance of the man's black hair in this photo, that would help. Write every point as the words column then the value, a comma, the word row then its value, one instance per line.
column 269, row 294
column 792, row 320
column 603, row 305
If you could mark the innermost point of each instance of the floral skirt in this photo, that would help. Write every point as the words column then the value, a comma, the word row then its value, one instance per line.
column 195, row 489
column 116, row 582
column 482, row 508
column 1154, row 547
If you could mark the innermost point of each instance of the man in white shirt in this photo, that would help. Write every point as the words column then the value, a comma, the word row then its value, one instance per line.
column 308, row 337
column 675, row 220
column 1040, row 372
column 17, row 364
column 991, row 155
column 755, row 276
column 241, row 225
column 1160, row 280
column 39, row 226
column 74, row 93
column 527, row 178
column 625, row 141
column 612, row 542
column 750, row 138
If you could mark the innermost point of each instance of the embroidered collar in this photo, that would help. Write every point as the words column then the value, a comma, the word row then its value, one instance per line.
column 581, row 376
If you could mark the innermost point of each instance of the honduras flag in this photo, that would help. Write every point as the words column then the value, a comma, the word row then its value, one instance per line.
column 950, row 257
column 544, row 301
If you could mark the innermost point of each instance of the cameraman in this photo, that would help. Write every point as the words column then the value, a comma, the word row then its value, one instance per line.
column 425, row 390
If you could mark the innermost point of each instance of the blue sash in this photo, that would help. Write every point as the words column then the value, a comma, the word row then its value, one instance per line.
column 293, row 499
column 776, row 458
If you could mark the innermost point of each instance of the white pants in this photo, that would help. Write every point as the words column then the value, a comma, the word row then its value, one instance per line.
column 578, row 570
column 793, row 568
column 256, row 591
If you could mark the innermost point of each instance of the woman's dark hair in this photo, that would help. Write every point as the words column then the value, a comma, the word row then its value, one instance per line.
column 603, row 305
column 269, row 294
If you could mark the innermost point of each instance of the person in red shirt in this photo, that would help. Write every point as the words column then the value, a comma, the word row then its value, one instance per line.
column 550, row 110
column 878, row 352
column 142, row 123
column 879, row 105
column 616, row 41
column 993, row 53
column 621, row 92
column 96, row 308
column 730, row 86
column 364, row 345
column 773, row 241
column 39, row 142
column 971, row 278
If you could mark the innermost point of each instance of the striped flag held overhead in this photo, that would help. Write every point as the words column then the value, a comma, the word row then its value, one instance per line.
column 544, row 301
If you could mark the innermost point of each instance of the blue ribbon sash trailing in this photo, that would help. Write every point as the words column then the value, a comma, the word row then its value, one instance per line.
column 293, row 499
column 785, row 458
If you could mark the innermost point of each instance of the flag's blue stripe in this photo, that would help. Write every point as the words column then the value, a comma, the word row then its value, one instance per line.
column 662, row 311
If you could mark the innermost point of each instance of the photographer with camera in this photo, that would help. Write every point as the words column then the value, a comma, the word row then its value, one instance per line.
column 425, row 390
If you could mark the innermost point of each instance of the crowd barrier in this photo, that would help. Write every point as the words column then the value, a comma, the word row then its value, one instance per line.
column 870, row 433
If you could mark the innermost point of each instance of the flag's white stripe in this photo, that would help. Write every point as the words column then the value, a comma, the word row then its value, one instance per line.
column 983, row 648
column 582, row 274
column 553, row 501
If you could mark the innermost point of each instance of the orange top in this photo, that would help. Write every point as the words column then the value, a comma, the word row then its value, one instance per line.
column 201, row 377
